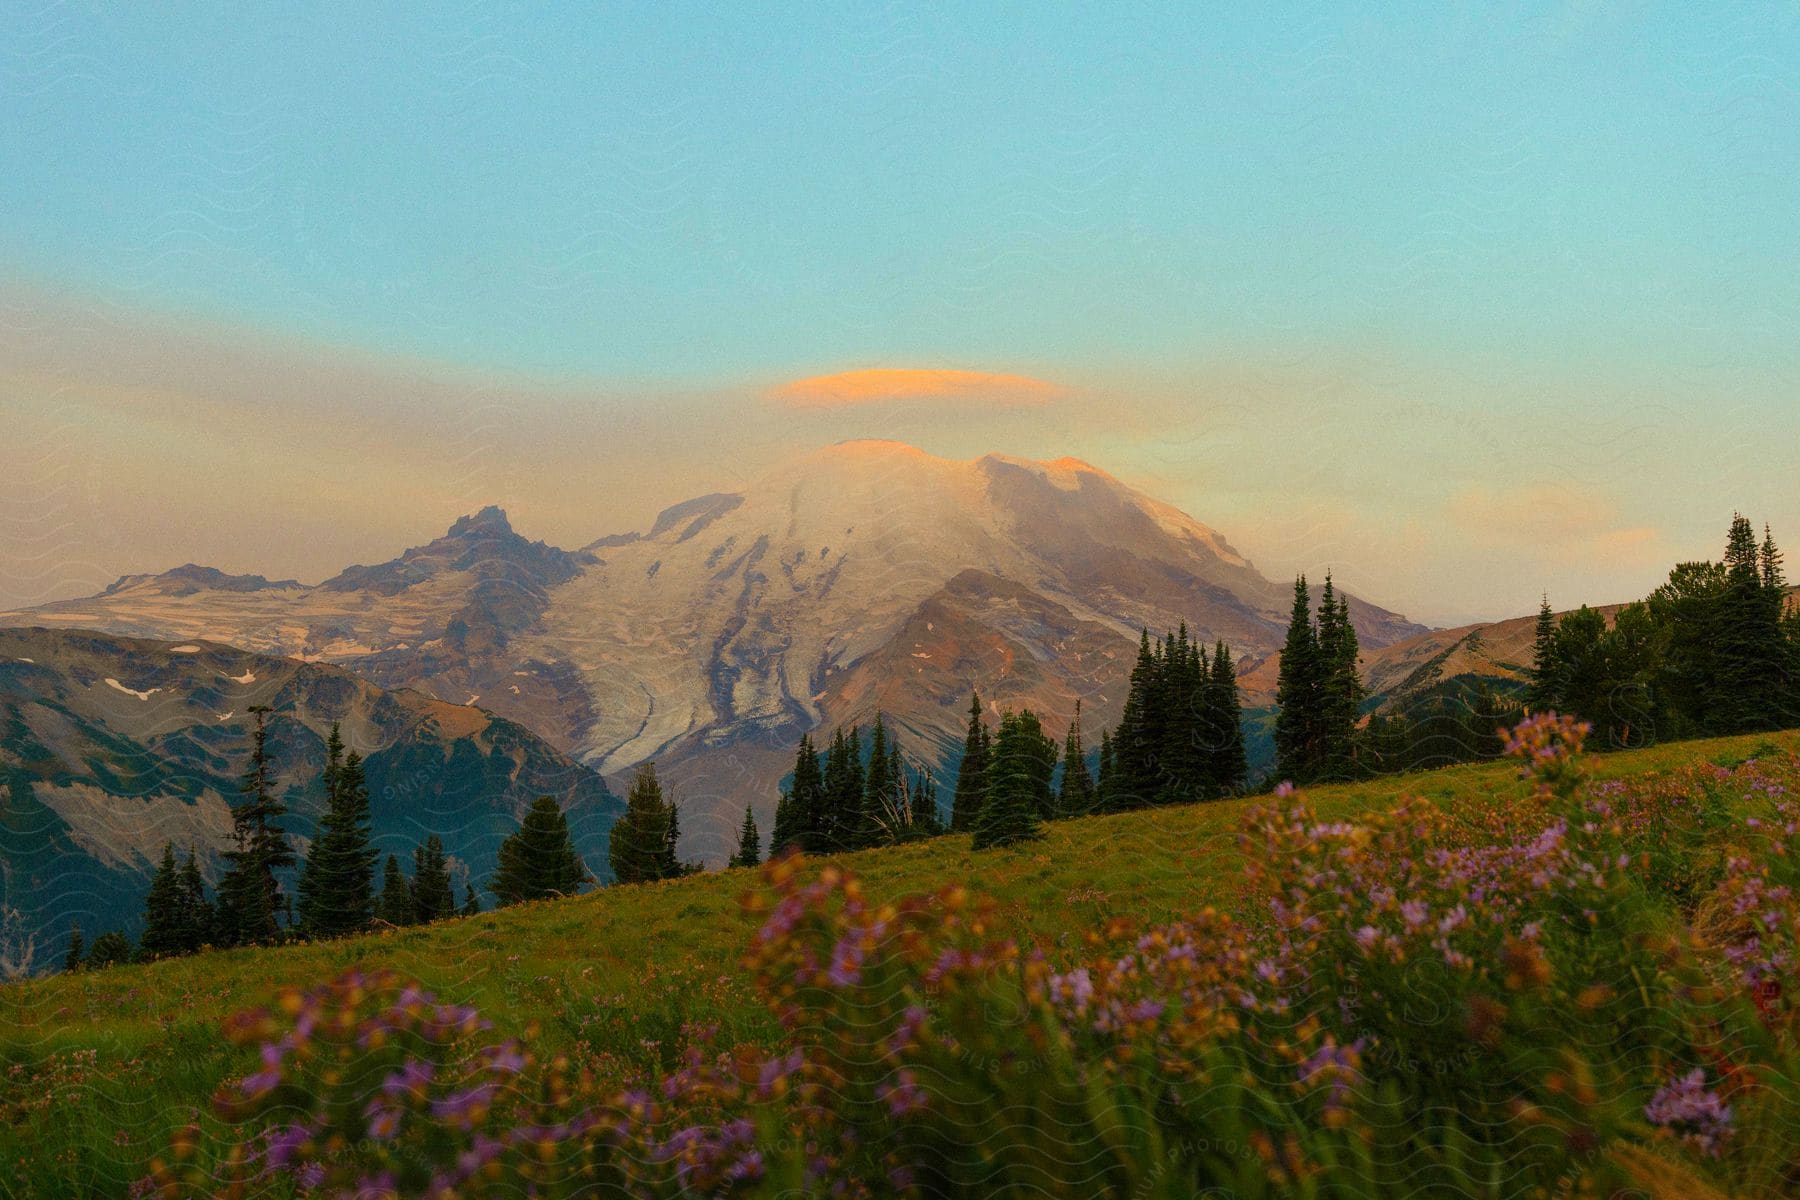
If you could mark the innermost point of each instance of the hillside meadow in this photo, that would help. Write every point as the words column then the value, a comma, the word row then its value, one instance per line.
column 99, row 1069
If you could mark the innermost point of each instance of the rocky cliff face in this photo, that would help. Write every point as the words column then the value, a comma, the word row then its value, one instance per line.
column 864, row 576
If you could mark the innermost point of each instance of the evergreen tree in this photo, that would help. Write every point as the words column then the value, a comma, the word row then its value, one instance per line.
column 433, row 896
column 1230, row 771
column 471, row 906
column 873, row 820
column 539, row 861
column 640, row 837
column 77, row 947
column 1297, row 692
column 163, row 917
column 843, row 822
column 1076, row 796
column 749, row 851
column 808, row 801
column 109, row 949
column 1106, row 778
column 250, row 896
column 337, row 882
column 1340, row 687
column 1751, row 646
column 396, row 907
column 1138, row 742
column 925, row 819
column 197, row 918
column 1019, row 774
column 971, row 775
column 1545, row 690
column 669, row 864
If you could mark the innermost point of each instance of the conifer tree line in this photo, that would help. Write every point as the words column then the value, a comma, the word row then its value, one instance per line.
column 1180, row 739
column 336, row 892
column 840, row 800
column 1318, row 691
column 1715, row 650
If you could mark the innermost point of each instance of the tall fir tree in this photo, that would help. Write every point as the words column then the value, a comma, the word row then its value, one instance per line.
column 669, row 864
column 1075, row 796
column 1751, row 645
column 197, row 917
column 926, row 821
column 1230, row 771
column 433, row 896
column 841, row 827
column 72, row 960
column 1018, row 785
column 749, row 851
column 640, row 837
column 250, row 895
column 971, row 775
column 1544, row 691
column 1136, row 743
column 396, row 905
column 471, row 906
column 538, row 862
column 1340, row 686
column 1297, row 694
column 163, row 934
column 1106, row 774
column 337, row 882
column 871, row 822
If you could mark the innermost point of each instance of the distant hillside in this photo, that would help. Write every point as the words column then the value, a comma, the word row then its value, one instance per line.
column 1496, row 653
column 110, row 746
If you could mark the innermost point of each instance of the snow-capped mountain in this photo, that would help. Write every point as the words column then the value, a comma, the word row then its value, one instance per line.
column 867, row 575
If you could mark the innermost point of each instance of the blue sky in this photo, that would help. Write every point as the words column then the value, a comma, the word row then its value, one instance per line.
column 659, row 200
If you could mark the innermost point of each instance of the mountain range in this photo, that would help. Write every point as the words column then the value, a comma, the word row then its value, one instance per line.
column 111, row 746
column 867, row 576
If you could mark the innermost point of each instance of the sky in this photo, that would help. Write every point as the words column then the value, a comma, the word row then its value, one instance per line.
column 1466, row 305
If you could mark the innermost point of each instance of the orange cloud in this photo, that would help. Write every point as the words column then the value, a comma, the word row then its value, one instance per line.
column 908, row 384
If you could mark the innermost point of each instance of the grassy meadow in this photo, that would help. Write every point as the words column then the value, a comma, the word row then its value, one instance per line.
column 97, row 1069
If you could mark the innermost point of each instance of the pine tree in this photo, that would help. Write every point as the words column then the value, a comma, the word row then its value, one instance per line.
column 109, row 949
column 1076, row 795
column 842, row 823
column 396, row 906
column 808, row 801
column 872, row 820
column 749, row 851
column 1545, row 691
column 539, row 861
column 250, row 896
column 471, row 906
column 1105, row 779
column 1340, row 687
column 433, row 897
column 971, row 775
column 1297, row 692
column 1137, row 742
column 668, row 863
column 197, row 917
column 77, row 948
column 1751, row 646
column 337, row 883
column 639, row 837
column 1230, row 770
column 925, row 819
column 1019, row 773
column 163, row 910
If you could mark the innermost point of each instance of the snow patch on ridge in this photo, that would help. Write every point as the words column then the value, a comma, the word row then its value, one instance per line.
column 116, row 685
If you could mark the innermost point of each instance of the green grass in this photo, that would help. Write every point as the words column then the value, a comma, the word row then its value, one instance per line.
column 97, row 1068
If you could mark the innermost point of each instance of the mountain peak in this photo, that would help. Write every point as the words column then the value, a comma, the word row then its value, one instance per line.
column 488, row 522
